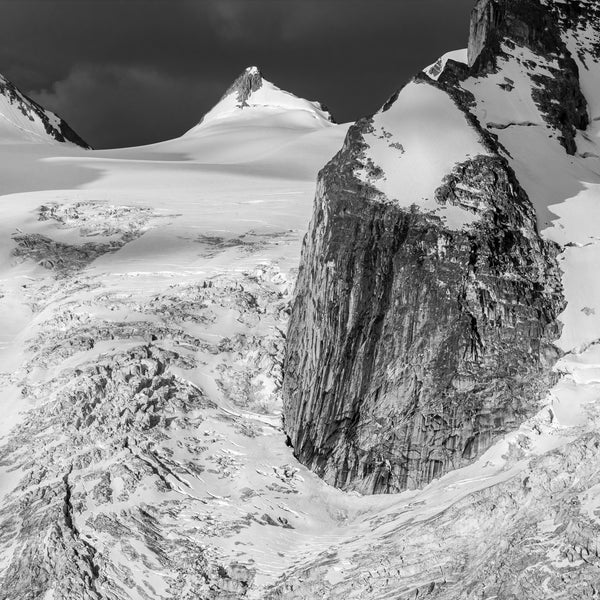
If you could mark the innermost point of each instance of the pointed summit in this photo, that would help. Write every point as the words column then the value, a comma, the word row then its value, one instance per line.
column 251, row 95
column 245, row 85
column 24, row 120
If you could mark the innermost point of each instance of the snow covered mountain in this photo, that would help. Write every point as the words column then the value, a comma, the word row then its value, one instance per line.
column 257, row 127
column 446, row 316
column 145, row 298
column 23, row 120
column 251, row 94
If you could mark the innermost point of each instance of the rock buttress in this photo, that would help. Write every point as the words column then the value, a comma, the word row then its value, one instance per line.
column 412, row 347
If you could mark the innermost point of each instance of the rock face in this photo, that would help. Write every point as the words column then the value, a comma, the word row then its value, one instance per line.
column 252, row 95
column 413, row 346
column 418, row 337
column 26, row 120
column 537, row 27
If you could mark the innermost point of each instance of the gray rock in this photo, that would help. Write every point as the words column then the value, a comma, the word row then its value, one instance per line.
column 59, row 129
column 538, row 27
column 413, row 347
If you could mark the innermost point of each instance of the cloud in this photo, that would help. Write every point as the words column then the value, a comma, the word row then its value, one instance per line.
column 94, row 60
column 115, row 106
column 230, row 20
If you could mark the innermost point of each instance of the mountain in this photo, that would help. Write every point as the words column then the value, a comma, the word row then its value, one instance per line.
column 251, row 95
column 154, row 331
column 144, row 298
column 444, row 334
column 260, row 127
column 23, row 120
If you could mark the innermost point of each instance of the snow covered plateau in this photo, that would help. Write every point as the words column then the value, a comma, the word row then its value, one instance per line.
column 186, row 410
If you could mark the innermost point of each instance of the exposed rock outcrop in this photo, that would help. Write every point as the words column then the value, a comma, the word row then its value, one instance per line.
column 497, row 25
column 414, row 343
column 248, row 82
column 34, row 118
column 413, row 346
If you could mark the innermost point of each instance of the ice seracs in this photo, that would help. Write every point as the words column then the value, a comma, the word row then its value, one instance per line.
column 24, row 120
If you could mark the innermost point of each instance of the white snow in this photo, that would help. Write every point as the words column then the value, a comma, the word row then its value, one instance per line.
column 247, row 177
column 269, row 99
column 416, row 143
column 437, row 68
column 251, row 172
column 17, row 126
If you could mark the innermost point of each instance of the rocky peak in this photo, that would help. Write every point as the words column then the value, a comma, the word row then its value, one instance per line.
column 251, row 91
column 25, row 120
column 419, row 335
column 248, row 82
column 528, row 23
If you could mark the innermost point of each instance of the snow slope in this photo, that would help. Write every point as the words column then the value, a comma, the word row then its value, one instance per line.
column 414, row 144
column 251, row 93
column 143, row 307
column 23, row 120
column 143, row 302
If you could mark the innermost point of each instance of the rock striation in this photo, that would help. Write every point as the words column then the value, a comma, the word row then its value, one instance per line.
column 538, row 27
column 412, row 347
column 418, row 339
column 249, row 81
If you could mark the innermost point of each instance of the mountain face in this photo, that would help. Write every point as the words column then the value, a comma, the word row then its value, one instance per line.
column 142, row 320
column 251, row 95
column 23, row 120
column 448, row 299
column 426, row 317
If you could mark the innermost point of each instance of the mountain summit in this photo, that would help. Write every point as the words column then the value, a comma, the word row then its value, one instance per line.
column 251, row 95
column 245, row 85
column 24, row 120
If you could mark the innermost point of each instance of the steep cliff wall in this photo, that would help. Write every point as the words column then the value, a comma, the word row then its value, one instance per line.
column 499, row 26
column 420, row 335
column 412, row 346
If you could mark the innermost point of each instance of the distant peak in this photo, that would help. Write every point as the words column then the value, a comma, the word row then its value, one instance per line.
column 251, row 94
column 248, row 82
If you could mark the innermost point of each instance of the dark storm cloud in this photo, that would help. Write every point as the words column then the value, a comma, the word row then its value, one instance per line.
column 126, row 72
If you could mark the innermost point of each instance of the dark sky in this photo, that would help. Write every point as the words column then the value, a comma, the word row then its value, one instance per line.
column 130, row 72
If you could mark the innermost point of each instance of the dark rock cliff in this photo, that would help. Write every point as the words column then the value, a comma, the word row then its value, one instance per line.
column 248, row 82
column 413, row 346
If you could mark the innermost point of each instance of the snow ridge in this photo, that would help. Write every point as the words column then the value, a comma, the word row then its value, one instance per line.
column 24, row 120
column 251, row 95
